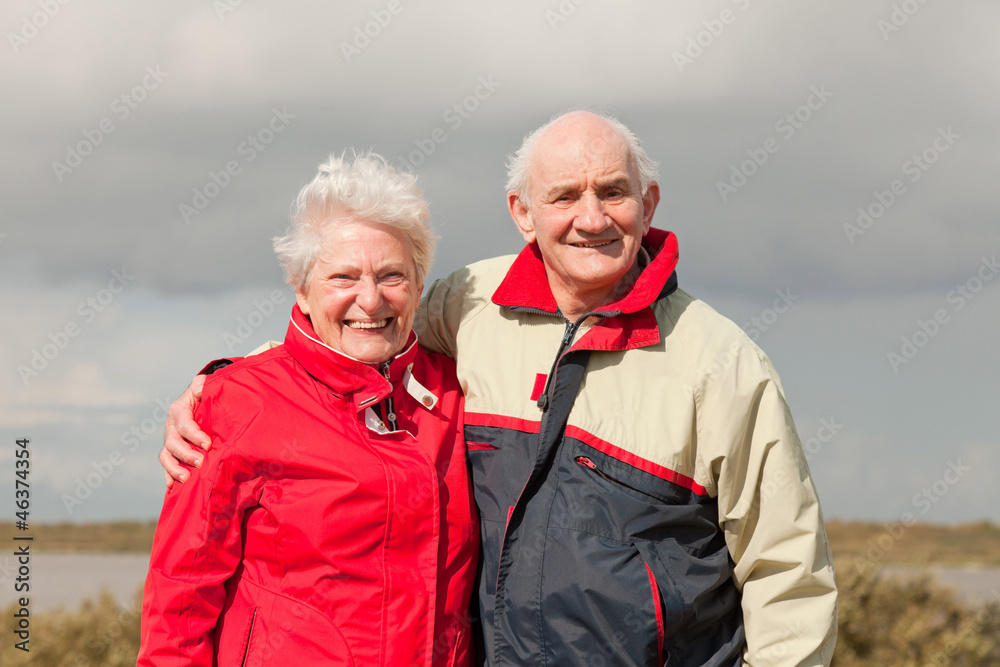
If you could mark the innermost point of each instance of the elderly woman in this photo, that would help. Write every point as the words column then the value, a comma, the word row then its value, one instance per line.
column 332, row 521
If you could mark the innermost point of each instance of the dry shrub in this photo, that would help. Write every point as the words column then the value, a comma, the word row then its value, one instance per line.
column 911, row 623
column 102, row 633
column 884, row 621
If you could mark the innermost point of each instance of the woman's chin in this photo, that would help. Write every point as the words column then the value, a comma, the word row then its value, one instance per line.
column 372, row 346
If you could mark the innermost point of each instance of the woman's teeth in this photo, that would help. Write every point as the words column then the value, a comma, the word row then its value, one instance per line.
column 367, row 325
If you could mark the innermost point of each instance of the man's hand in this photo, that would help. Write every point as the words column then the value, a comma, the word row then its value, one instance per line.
column 182, row 436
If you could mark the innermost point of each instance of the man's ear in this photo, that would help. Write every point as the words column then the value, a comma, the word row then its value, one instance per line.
column 522, row 218
column 649, row 202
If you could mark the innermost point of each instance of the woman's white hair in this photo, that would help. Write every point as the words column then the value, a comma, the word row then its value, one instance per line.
column 362, row 187
column 519, row 164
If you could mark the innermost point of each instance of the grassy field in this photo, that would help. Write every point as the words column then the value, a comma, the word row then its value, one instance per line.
column 919, row 544
column 120, row 536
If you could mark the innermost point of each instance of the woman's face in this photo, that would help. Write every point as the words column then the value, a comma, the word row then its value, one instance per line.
column 363, row 291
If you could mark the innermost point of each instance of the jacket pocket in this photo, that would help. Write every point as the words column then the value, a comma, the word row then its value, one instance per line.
column 499, row 463
column 248, row 642
column 658, row 609
column 634, row 482
column 471, row 446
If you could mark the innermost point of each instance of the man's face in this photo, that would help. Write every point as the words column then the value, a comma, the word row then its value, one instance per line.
column 586, row 210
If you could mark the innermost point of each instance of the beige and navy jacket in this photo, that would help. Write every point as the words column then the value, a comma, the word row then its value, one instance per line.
column 643, row 494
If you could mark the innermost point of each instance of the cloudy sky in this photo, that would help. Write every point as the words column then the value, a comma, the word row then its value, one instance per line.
column 829, row 169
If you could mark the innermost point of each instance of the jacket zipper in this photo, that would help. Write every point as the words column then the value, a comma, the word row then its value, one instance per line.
column 246, row 651
column 567, row 340
column 587, row 463
column 390, row 410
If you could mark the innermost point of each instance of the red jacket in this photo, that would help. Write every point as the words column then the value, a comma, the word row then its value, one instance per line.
column 313, row 534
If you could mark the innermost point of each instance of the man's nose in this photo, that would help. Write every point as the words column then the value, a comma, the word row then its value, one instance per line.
column 591, row 217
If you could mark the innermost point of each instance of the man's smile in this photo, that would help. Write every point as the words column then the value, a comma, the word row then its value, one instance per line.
column 593, row 244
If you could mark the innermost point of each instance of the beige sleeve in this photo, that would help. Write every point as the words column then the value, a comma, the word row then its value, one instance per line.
column 440, row 313
column 264, row 348
column 771, row 516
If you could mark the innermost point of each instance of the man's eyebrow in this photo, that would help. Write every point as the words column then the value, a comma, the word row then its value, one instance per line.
column 622, row 182
column 560, row 187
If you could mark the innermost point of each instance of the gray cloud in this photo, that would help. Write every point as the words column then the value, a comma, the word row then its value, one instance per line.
column 220, row 79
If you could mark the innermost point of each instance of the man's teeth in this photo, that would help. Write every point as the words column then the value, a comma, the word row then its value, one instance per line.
column 367, row 325
column 597, row 244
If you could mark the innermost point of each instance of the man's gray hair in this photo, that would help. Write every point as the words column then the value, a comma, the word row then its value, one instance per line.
column 519, row 164
column 364, row 188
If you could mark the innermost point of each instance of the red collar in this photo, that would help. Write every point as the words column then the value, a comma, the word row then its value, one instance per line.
column 359, row 381
column 630, row 322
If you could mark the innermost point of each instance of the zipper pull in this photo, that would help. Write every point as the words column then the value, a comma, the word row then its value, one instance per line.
column 584, row 461
column 384, row 368
column 568, row 336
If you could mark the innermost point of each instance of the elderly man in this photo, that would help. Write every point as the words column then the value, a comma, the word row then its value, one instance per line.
column 643, row 494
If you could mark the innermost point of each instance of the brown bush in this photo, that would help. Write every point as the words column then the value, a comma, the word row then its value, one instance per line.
column 883, row 622
column 102, row 633
column 911, row 623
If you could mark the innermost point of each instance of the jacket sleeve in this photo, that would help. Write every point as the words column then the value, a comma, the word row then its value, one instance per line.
column 770, row 513
column 451, row 302
column 197, row 547
column 438, row 316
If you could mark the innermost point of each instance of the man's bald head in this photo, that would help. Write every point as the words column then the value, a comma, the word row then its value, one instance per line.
column 519, row 164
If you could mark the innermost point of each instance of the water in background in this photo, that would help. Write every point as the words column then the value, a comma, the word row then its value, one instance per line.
column 67, row 579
